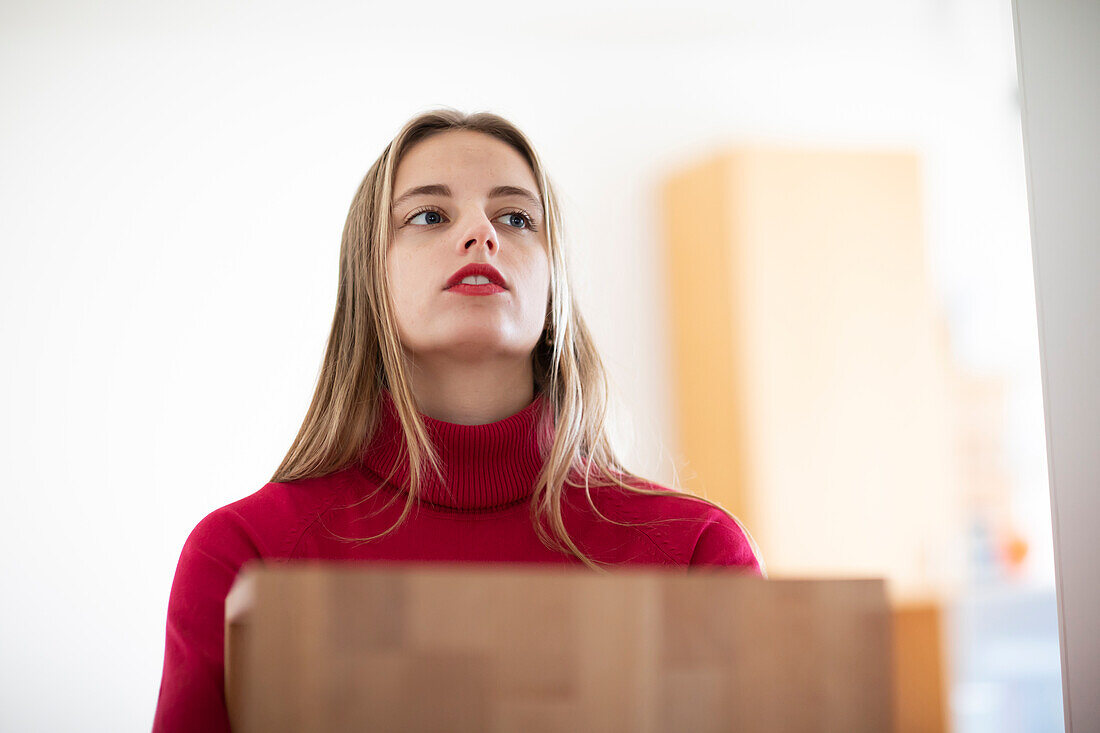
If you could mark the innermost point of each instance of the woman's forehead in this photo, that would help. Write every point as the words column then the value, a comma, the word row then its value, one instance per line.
column 462, row 155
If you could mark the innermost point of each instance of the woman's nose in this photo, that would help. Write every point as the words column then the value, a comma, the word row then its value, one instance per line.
column 479, row 231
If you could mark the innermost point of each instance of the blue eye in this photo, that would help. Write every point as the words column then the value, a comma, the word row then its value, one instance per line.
column 515, row 215
column 516, row 219
column 425, row 213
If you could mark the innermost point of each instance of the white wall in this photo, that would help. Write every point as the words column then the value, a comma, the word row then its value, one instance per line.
column 174, row 180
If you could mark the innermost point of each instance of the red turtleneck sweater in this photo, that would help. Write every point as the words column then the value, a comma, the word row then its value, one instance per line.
column 480, row 514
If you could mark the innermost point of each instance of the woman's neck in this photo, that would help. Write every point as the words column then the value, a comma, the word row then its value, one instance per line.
column 473, row 393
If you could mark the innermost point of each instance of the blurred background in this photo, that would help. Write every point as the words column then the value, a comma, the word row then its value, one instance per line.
column 799, row 232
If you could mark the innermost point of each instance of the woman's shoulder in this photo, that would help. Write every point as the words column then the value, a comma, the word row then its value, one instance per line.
column 269, row 521
column 646, row 500
column 694, row 531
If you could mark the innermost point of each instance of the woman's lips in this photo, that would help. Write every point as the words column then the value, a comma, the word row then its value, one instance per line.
column 483, row 289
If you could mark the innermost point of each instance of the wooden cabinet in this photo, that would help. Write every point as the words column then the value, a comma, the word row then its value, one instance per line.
column 811, row 374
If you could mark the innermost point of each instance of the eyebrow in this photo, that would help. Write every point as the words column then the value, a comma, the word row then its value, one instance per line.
column 439, row 189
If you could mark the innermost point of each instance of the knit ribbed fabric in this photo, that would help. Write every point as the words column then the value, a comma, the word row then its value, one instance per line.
column 485, row 467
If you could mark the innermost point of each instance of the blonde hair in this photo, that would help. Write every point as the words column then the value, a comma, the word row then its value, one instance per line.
column 364, row 355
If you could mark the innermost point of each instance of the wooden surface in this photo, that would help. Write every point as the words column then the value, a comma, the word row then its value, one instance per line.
column 502, row 647
column 920, row 670
column 809, row 364
column 706, row 346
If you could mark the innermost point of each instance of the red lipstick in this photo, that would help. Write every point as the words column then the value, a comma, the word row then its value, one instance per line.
column 496, row 282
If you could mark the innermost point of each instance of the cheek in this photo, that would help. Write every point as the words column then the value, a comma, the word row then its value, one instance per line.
column 542, row 283
column 402, row 283
column 402, row 269
column 536, row 295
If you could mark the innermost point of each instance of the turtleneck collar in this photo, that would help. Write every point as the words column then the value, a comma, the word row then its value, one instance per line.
column 486, row 466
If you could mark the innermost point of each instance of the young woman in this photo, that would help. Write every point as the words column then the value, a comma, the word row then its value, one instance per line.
column 459, row 413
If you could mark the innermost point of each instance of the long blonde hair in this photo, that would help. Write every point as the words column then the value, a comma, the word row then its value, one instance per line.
column 364, row 355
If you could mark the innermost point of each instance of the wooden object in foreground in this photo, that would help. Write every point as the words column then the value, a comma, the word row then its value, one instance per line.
column 315, row 646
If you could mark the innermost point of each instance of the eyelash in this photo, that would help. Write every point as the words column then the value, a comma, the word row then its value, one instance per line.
column 526, row 217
